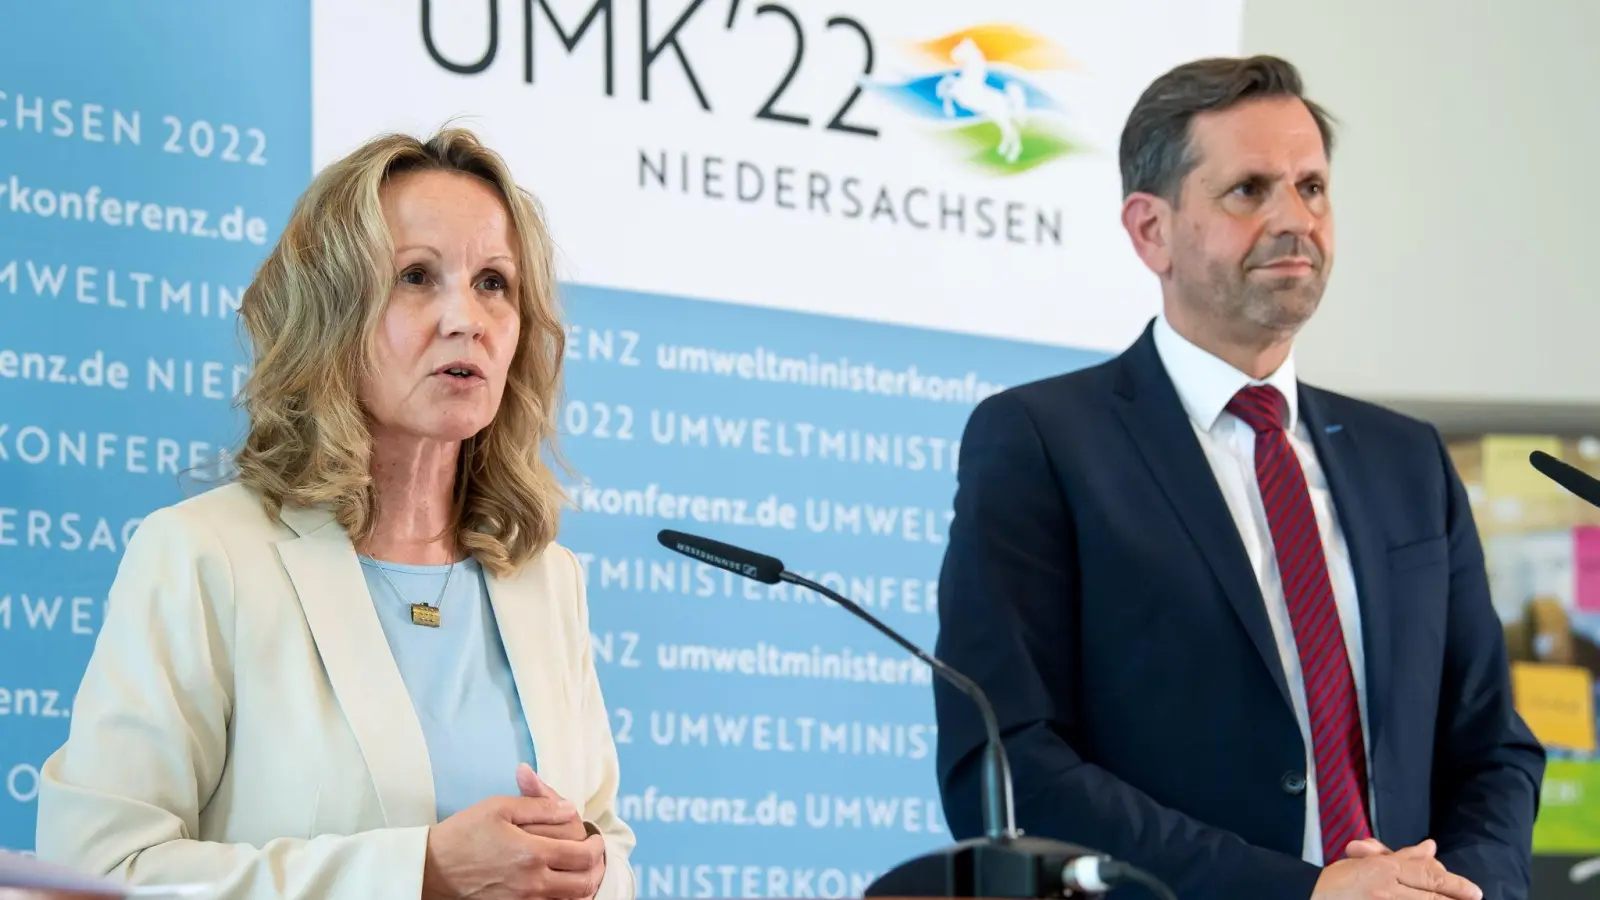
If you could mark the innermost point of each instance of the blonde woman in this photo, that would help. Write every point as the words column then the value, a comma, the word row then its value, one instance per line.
column 363, row 670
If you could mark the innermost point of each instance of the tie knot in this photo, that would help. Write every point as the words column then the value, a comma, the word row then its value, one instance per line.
column 1261, row 407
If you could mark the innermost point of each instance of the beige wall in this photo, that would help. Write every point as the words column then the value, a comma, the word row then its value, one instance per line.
column 1467, row 194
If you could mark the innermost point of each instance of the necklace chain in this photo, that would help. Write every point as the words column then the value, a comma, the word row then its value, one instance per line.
column 382, row 570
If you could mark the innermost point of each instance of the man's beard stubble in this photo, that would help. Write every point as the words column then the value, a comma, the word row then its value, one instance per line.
column 1270, row 310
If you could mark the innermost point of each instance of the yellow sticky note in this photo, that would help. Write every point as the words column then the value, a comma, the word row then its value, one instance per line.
column 1557, row 702
column 1507, row 472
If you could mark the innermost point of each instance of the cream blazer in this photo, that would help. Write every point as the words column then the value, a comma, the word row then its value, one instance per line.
column 242, row 722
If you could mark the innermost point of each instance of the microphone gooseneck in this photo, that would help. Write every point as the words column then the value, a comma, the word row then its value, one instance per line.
column 999, row 816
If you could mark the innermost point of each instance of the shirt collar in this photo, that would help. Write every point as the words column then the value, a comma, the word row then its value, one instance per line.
column 1205, row 383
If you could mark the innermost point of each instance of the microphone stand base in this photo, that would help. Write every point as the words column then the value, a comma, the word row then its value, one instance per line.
column 1023, row 867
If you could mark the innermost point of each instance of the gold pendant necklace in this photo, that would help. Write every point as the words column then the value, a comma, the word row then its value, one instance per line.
column 425, row 615
column 421, row 613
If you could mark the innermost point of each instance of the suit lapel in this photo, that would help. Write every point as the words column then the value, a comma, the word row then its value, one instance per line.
column 326, row 574
column 1150, row 409
column 1337, row 451
column 532, row 631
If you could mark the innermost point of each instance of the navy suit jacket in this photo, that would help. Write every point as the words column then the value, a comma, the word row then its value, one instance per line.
column 1096, row 587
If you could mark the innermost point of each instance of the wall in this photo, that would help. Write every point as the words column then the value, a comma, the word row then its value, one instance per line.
column 1462, row 195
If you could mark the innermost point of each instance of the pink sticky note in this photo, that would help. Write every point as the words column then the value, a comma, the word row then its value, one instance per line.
column 1586, row 566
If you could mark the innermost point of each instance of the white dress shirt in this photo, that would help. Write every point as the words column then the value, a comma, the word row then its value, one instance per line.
column 1206, row 384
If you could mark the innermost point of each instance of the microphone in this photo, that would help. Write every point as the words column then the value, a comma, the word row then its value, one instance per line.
column 1575, row 480
column 999, row 817
column 1003, row 863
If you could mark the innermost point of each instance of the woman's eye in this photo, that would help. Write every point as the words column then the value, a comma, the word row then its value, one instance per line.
column 413, row 276
column 492, row 283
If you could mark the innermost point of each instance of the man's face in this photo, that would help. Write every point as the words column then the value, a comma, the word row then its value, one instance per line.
column 1252, row 236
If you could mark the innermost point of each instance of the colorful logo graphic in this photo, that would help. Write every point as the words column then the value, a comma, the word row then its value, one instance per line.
column 977, row 96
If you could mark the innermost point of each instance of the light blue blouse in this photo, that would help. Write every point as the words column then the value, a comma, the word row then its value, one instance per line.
column 458, row 677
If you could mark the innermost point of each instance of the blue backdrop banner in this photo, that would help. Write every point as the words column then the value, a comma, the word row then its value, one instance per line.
column 149, row 155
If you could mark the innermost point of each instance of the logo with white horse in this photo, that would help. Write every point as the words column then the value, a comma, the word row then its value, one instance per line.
column 969, row 87
column 982, row 96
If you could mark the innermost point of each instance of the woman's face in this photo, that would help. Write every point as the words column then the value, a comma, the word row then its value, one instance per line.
column 446, row 341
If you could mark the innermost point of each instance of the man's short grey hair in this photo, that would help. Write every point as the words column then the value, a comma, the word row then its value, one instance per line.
column 1156, row 153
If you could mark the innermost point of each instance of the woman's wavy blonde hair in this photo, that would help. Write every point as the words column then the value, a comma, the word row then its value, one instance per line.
column 311, row 313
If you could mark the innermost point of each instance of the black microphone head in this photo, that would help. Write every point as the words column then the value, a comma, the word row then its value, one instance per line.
column 1578, row 482
column 737, row 560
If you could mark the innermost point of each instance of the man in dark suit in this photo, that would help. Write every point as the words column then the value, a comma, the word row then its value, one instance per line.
column 1237, row 629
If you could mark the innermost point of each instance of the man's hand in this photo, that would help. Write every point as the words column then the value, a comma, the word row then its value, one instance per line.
column 1372, row 870
column 1370, row 847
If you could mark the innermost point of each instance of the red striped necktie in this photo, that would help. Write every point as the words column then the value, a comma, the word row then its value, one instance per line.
column 1337, row 748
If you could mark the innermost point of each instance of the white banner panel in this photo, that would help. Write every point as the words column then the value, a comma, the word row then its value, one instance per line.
column 907, row 161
